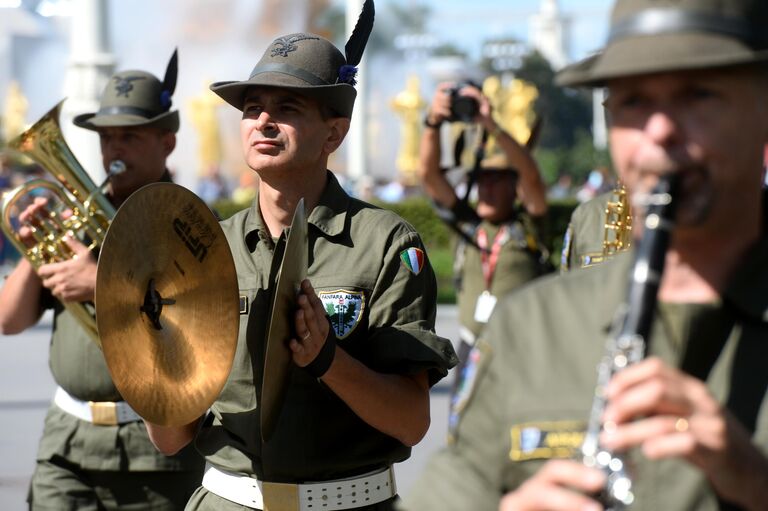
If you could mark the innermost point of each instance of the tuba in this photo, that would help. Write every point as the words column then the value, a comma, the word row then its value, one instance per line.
column 83, row 210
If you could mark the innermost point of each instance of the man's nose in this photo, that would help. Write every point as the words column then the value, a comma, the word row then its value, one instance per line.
column 662, row 127
column 265, row 122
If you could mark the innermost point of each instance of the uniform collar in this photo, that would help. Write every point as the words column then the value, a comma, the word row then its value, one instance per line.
column 329, row 215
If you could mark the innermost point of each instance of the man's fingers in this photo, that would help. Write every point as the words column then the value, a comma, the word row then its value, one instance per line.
column 573, row 474
column 559, row 485
column 635, row 433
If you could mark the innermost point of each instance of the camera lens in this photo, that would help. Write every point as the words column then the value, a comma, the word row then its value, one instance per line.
column 464, row 108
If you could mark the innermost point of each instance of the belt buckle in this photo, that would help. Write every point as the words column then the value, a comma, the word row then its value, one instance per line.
column 280, row 496
column 103, row 413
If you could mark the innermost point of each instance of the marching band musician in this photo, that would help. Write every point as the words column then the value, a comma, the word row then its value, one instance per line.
column 365, row 352
column 687, row 84
column 95, row 452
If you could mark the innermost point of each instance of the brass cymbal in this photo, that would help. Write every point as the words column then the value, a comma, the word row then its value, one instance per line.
column 167, row 304
column 278, row 359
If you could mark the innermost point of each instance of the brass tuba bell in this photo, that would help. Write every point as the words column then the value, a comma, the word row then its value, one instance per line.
column 83, row 210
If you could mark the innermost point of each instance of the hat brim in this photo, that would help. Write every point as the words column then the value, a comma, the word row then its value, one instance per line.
column 339, row 97
column 167, row 121
column 658, row 54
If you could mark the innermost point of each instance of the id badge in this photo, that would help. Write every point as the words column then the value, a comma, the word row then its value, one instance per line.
column 484, row 307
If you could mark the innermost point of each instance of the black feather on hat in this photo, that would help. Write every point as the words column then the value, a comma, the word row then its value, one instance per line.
column 310, row 65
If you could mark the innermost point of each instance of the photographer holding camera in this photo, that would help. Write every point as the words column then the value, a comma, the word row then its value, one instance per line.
column 498, row 250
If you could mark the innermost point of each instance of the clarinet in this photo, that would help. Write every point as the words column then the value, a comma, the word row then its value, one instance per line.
column 627, row 340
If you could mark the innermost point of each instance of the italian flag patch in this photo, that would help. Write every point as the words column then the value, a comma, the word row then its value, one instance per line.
column 413, row 259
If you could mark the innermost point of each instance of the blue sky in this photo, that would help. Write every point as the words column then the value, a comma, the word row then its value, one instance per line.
column 468, row 21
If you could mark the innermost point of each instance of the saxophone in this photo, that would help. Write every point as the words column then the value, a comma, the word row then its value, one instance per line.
column 627, row 340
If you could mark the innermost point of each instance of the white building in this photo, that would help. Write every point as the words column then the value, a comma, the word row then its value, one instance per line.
column 550, row 34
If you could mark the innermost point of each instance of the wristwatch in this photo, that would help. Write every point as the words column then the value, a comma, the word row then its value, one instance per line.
column 433, row 125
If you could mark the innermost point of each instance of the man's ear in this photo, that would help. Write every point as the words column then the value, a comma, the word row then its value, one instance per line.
column 169, row 142
column 337, row 130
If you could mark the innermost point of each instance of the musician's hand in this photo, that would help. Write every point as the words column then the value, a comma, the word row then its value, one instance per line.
column 31, row 217
column 73, row 280
column 560, row 485
column 680, row 418
column 311, row 326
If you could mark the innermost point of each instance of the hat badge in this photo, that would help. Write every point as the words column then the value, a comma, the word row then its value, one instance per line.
column 123, row 84
column 285, row 45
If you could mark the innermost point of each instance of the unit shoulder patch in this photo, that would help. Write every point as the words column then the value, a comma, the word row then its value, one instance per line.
column 344, row 309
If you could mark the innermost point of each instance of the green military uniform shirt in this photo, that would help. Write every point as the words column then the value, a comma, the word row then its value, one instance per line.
column 535, row 373
column 516, row 265
column 370, row 270
column 583, row 243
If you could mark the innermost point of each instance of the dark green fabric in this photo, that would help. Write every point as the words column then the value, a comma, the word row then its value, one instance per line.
column 110, row 448
column 305, row 63
column 76, row 363
column 540, row 353
column 60, row 486
column 355, row 247
column 516, row 266
column 583, row 244
column 132, row 98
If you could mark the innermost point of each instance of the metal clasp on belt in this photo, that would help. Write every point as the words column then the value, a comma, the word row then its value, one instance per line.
column 103, row 413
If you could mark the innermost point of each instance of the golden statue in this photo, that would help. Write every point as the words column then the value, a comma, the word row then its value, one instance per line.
column 14, row 112
column 409, row 105
column 512, row 107
column 203, row 112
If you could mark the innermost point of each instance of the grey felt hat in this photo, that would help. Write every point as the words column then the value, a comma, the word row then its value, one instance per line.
column 310, row 65
column 136, row 98
column 654, row 36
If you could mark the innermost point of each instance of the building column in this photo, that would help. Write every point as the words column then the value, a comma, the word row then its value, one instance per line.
column 91, row 63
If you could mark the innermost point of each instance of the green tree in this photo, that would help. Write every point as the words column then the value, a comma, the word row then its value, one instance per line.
column 565, row 112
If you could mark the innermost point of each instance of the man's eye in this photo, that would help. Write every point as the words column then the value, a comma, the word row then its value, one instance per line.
column 701, row 93
column 630, row 101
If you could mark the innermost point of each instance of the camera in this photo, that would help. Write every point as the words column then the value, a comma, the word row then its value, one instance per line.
column 463, row 108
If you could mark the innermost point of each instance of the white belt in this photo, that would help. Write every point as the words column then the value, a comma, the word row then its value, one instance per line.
column 335, row 495
column 106, row 413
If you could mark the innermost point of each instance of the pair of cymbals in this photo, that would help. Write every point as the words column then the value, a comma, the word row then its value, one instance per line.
column 167, row 307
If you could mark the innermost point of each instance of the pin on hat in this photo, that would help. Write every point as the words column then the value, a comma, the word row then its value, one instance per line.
column 655, row 36
column 136, row 98
column 310, row 65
